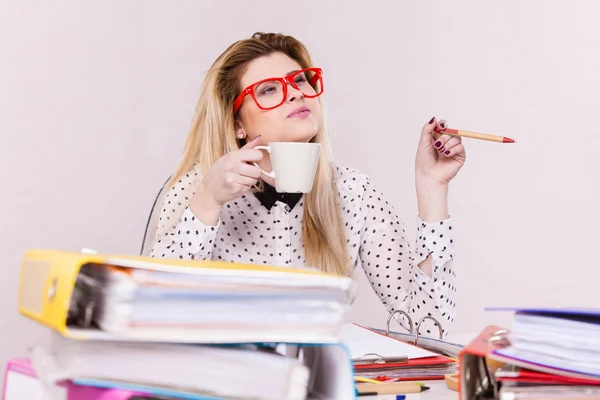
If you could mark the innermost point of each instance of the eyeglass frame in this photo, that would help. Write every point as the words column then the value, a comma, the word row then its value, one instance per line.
column 286, row 80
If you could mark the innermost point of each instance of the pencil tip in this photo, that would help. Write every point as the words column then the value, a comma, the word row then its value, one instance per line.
column 424, row 388
column 508, row 140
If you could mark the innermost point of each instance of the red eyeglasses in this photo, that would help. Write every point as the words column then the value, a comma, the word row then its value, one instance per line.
column 271, row 93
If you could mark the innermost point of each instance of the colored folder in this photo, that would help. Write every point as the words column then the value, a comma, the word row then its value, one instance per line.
column 53, row 283
column 545, row 353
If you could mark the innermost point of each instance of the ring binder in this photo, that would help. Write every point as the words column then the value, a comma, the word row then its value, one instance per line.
column 411, row 325
column 477, row 380
column 384, row 357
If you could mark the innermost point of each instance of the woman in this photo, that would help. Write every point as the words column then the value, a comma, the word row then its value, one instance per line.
column 219, row 206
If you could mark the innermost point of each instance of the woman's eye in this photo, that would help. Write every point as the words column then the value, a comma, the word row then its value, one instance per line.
column 300, row 79
column 268, row 90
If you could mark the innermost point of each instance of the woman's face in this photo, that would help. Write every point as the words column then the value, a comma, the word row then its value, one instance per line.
column 298, row 119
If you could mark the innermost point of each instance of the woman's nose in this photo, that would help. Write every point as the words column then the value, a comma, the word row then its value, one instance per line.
column 294, row 94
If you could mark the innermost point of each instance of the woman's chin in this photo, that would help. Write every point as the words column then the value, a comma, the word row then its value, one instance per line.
column 303, row 135
column 305, row 138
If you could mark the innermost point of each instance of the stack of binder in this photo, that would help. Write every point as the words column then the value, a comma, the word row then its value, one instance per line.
column 550, row 353
column 187, row 329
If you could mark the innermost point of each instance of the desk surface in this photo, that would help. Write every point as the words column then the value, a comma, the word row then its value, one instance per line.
column 438, row 391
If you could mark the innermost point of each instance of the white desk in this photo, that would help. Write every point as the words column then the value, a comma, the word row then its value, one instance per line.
column 437, row 391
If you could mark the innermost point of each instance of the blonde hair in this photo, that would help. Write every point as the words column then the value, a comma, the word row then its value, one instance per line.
column 212, row 135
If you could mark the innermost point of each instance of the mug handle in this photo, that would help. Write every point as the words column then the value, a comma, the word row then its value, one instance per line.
column 268, row 150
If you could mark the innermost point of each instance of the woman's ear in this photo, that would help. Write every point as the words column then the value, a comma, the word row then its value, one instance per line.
column 239, row 130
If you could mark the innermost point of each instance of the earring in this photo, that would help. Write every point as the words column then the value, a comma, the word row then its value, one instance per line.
column 240, row 135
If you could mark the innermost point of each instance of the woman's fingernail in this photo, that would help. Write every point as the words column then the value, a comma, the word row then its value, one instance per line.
column 442, row 150
column 442, row 125
column 447, row 152
column 431, row 120
column 438, row 143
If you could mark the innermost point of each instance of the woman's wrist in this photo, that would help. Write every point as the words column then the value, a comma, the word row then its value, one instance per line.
column 432, row 201
column 205, row 208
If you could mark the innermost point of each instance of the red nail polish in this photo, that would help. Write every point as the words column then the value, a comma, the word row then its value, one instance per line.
column 443, row 125
column 447, row 152
column 438, row 143
column 431, row 120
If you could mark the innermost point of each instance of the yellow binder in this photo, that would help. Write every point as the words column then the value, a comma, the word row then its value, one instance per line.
column 48, row 278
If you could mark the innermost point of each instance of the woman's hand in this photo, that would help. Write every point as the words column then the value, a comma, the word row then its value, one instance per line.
column 439, row 156
column 227, row 179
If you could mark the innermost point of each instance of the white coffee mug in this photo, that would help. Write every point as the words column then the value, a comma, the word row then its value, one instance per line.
column 294, row 165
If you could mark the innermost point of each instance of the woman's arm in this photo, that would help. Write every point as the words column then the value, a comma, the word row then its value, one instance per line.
column 191, row 234
column 184, row 235
column 432, row 201
column 190, row 239
column 392, row 269
column 421, row 284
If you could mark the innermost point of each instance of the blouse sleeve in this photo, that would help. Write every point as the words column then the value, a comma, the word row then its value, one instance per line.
column 190, row 239
column 180, row 234
column 392, row 268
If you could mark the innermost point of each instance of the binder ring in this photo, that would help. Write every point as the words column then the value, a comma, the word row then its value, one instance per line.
column 499, row 337
column 501, row 332
column 436, row 323
column 387, row 325
column 380, row 360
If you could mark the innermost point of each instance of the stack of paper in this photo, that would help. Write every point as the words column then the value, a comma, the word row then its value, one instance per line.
column 187, row 329
column 552, row 353
column 229, row 371
column 566, row 341
column 216, row 304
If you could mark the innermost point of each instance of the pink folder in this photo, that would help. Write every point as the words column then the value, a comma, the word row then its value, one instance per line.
column 20, row 382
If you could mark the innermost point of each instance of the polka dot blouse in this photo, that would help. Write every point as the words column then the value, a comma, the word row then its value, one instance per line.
column 256, row 230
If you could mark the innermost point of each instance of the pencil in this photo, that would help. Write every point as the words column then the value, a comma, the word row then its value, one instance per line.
column 391, row 387
column 361, row 379
column 476, row 135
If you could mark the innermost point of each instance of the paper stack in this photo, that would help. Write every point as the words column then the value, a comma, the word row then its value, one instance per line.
column 187, row 329
column 551, row 353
